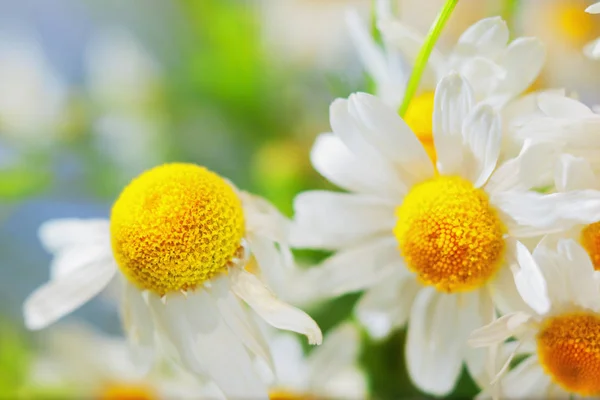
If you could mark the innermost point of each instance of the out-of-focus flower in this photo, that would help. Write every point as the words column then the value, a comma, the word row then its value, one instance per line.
column 592, row 49
column 328, row 372
column 33, row 97
column 559, row 329
column 88, row 364
column 430, row 245
column 180, row 236
column 497, row 71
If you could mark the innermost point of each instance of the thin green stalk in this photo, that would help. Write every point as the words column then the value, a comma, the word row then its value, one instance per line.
column 509, row 11
column 425, row 52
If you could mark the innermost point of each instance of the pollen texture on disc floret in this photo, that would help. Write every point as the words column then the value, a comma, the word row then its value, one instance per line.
column 176, row 226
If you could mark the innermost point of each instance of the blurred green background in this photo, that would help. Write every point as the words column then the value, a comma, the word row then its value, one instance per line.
column 94, row 92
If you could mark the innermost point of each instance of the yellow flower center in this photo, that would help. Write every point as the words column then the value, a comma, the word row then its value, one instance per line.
column 590, row 240
column 449, row 234
column 175, row 226
column 127, row 392
column 569, row 351
column 284, row 394
column 419, row 116
column 573, row 22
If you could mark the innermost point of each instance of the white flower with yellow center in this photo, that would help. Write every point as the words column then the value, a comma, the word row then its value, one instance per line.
column 90, row 364
column 181, row 236
column 497, row 71
column 560, row 329
column 429, row 246
column 327, row 372
column 592, row 49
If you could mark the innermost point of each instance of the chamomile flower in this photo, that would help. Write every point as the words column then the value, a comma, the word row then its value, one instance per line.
column 560, row 330
column 94, row 365
column 180, row 236
column 429, row 246
column 592, row 49
column 328, row 372
column 497, row 71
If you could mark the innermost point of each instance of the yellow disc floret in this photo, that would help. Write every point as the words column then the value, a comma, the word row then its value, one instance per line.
column 590, row 240
column 175, row 226
column 449, row 235
column 419, row 116
column 569, row 351
column 127, row 391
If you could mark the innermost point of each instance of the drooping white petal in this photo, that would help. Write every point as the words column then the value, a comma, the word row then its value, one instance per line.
column 434, row 342
column 530, row 281
column 452, row 103
column 392, row 137
column 580, row 270
column 556, row 211
column 332, row 159
column 339, row 350
column 275, row 267
column 59, row 297
column 386, row 306
column 358, row 268
column 58, row 233
column 504, row 292
column 291, row 369
column 592, row 49
column 138, row 326
column 70, row 258
column 205, row 344
column 272, row 310
column 483, row 136
column 330, row 220
column 574, row 173
column 499, row 330
column 485, row 37
column 238, row 319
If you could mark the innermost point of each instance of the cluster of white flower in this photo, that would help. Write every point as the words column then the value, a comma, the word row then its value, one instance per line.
column 473, row 219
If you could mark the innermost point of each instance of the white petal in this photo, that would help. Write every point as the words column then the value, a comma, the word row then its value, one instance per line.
column 523, row 61
column 60, row 297
column 262, row 218
column 291, row 369
column 530, row 281
column 434, row 344
column 592, row 49
column 557, row 211
column 573, row 173
column 453, row 102
column 275, row 265
column 272, row 310
column 332, row 159
column 386, row 306
column 330, row 220
column 138, row 326
column 59, row 233
column 560, row 106
column 483, row 74
column 580, row 271
column 593, row 9
column 358, row 268
column 205, row 343
column 483, row 135
column 238, row 319
column 339, row 350
column 392, row 137
column 71, row 258
column 527, row 380
column 504, row 292
column 499, row 330
column 487, row 36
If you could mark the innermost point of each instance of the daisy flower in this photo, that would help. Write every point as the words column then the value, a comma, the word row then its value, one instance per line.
column 328, row 372
column 559, row 331
column 180, row 237
column 592, row 49
column 95, row 365
column 429, row 245
column 497, row 71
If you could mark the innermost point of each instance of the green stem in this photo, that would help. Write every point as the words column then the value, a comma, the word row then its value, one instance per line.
column 509, row 9
column 425, row 52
